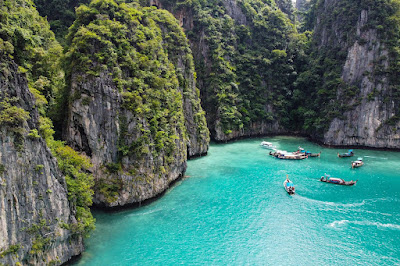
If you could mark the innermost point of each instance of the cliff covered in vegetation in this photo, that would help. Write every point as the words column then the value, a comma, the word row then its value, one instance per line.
column 125, row 92
column 353, row 74
column 245, row 53
column 135, row 109
column 45, row 193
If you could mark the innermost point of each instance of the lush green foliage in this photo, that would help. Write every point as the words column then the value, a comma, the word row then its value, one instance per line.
column 11, row 115
column 60, row 14
column 80, row 183
column 13, row 249
column 26, row 39
column 134, row 45
column 248, row 66
column 320, row 89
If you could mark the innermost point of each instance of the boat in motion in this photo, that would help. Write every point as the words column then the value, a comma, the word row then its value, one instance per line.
column 350, row 153
column 267, row 145
column 338, row 181
column 357, row 163
column 289, row 187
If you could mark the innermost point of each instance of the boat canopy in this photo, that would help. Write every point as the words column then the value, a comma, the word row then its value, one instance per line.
column 359, row 159
column 266, row 143
column 288, row 184
column 350, row 151
column 335, row 179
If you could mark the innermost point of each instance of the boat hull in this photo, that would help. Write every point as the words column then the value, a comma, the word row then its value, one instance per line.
column 342, row 183
column 288, row 190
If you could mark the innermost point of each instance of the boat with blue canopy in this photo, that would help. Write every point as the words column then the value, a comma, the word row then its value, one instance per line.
column 338, row 181
column 289, row 186
column 357, row 163
column 350, row 153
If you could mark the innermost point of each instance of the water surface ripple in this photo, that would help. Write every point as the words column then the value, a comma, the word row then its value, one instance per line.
column 233, row 210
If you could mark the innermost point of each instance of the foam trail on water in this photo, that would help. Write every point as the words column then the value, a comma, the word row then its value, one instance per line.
column 335, row 224
column 375, row 157
column 334, row 204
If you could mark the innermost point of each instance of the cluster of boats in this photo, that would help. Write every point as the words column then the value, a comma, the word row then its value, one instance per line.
column 301, row 154
column 354, row 164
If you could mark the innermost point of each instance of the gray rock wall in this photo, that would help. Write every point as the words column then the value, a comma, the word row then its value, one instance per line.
column 365, row 124
column 33, row 193
column 94, row 127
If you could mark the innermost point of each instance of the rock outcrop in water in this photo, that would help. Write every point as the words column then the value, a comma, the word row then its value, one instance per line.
column 34, row 204
column 135, row 108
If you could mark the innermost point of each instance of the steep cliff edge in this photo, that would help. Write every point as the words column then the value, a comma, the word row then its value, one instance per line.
column 34, row 206
column 244, row 56
column 134, row 106
column 358, row 50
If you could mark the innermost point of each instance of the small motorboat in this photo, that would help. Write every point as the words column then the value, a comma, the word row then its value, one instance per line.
column 338, row 181
column 289, row 187
column 357, row 163
column 267, row 145
column 350, row 153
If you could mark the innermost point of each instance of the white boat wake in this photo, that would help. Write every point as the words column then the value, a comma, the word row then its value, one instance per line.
column 379, row 225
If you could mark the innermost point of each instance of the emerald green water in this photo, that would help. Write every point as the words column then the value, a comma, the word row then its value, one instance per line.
column 233, row 210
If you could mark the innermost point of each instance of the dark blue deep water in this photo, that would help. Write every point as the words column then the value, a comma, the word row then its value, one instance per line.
column 232, row 209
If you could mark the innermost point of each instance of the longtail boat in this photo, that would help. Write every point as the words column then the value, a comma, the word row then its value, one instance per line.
column 350, row 153
column 338, row 181
column 289, row 187
column 284, row 155
column 357, row 163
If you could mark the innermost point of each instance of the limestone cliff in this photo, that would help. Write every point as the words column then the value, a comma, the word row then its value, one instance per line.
column 34, row 204
column 136, row 113
column 240, row 58
column 368, row 93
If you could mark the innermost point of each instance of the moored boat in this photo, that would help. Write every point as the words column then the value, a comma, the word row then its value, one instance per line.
column 310, row 154
column 291, row 156
column 338, row 181
column 350, row 153
column 284, row 155
column 267, row 145
column 289, row 187
column 357, row 163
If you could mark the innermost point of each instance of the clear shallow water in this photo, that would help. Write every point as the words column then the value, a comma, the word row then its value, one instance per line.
column 234, row 210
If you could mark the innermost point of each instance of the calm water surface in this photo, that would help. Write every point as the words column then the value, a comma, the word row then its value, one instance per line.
column 233, row 210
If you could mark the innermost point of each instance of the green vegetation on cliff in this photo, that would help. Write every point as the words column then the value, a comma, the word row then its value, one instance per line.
column 147, row 56
column 128, row 46
column 246, row 64
column 26, row 39
column 60, row 14
column 320, row 92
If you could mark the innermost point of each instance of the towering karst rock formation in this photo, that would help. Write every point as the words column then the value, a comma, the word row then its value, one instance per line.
column 34, row 209
column 135, row 109
column 356, row 45
column 244, row 52
column 43, row 214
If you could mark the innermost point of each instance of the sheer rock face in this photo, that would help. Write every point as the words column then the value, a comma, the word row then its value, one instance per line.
column 365, row 124
column 33, row 192
column 201, row 53
column 139, row 137
column 95, row 128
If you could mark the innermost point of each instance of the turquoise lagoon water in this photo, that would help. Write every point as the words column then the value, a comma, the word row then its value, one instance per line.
column 232, row 209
